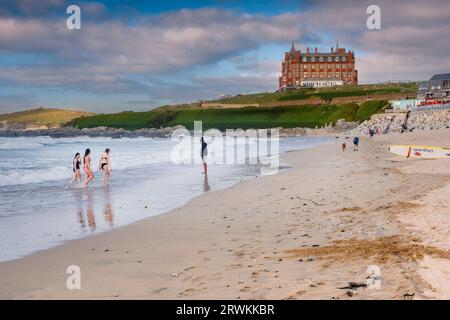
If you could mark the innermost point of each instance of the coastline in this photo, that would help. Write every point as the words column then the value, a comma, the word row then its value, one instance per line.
column 267, row 238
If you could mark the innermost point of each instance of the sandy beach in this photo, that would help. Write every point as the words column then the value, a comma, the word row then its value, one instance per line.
column 305, row 233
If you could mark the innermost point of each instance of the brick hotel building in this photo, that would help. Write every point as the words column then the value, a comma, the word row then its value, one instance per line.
column 317, row 69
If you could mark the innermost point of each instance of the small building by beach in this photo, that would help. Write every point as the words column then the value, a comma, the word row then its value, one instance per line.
column 434, row 94
column 436, row 88
column 404, row 105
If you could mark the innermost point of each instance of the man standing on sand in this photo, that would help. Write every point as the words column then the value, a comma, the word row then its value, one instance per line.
column 355, row 143
column 203, row 154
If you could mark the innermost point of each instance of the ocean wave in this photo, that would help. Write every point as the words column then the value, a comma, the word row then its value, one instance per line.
column 18, row 177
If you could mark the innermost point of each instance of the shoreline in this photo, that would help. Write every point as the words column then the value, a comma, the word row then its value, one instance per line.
column 54, row 214
column 266, row 238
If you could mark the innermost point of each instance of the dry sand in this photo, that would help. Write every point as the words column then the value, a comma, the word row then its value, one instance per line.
column 302, row 234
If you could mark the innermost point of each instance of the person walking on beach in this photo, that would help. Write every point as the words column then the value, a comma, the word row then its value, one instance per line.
column 76, row 169
column 203, row 154
column 87, row 167
column 355, row 143
column 105, row 166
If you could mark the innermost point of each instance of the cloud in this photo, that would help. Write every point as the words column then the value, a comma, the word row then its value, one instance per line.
column 112, row 55
column 110, row 51
column 409, row 46
column 50, row 9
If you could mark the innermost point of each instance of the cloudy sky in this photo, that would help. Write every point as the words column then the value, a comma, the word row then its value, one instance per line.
column 138, row 54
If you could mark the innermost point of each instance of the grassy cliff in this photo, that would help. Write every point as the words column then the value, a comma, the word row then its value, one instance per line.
column 323, row 93
column 42, row 117
column 248, row 117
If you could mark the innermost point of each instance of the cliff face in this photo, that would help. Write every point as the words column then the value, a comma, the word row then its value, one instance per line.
column 17, row 126
column 38, row 119
column 420, row 120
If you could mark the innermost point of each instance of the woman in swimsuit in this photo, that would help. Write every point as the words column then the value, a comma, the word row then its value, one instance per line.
column 76, row 169
column 87, row 167
column 105, row 166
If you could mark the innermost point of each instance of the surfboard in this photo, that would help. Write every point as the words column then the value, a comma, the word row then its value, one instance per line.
column 411, row 151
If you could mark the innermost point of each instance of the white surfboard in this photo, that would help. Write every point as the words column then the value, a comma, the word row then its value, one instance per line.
column 411, row 151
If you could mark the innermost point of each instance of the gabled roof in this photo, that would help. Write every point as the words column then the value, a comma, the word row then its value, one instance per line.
column 443, row 76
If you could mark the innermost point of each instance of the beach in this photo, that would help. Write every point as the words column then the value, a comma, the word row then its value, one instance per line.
column 309, row 232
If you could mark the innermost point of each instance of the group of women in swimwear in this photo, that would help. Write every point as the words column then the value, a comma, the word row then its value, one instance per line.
column 104, row 165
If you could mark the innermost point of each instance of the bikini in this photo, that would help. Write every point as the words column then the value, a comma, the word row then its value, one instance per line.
column 103, row 164
column 77, row 166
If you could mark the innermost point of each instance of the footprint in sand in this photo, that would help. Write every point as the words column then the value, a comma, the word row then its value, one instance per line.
column 187, row 292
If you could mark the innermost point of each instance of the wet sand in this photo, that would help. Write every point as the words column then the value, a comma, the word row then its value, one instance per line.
column 305, row 233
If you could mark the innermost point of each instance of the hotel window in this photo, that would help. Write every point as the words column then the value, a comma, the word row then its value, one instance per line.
column 313, row 66
column 338, row 74
column 321, row 74
column 320, row 59
column 344, row 66
column 336, row 59
column 329, row 66
column 329, row 59
column 343, row 74
column 313, row 74
column 329, row 75
column 304, row 59
column 305, row 66
column 344, row 59
column 349, row 74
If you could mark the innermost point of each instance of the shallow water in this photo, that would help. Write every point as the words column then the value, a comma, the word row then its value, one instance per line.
column 38, row 211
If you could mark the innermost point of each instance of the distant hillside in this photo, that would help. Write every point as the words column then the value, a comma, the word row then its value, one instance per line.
column 293, row 108
column 40, row 117
column 325, row 94
column 244, row 118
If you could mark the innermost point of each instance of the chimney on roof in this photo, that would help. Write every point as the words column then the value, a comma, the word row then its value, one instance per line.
column 307, row 50
column 331, row 49
column 315, row 50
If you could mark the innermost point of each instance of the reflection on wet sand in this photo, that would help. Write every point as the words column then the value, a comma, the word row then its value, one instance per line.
column 108, row 212
column 90, row 211
column 80, row 214
column 206, row 186
column 86, row 217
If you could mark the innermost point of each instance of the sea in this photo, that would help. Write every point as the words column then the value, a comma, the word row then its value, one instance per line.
column 39, row 211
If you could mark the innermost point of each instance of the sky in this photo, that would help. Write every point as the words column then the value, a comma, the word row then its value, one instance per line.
column 139, row 54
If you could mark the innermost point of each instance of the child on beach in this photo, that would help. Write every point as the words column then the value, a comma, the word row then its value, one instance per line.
column 355, row 143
